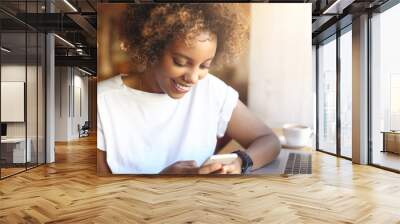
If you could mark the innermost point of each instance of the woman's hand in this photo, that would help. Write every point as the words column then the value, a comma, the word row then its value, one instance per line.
column 234, row 168
column 190, row 167
column 181, row 167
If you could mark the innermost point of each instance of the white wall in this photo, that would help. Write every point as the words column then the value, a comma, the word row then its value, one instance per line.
column 80, row 102
column 62, row 81
column 71, row 94
column 281, row 86
column 12, row 101
column 16, row 73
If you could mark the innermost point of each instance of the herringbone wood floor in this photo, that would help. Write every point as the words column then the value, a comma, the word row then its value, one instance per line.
column 70, row 192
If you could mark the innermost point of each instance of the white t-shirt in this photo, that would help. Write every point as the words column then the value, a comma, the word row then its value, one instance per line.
column 145, row 132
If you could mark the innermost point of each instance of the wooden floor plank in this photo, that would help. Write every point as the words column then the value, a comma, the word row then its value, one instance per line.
column 69, row 191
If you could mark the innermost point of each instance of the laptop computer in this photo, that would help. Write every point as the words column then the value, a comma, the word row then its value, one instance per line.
column 290, row 162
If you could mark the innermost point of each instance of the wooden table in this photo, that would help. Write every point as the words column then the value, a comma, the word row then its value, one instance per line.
column 391, row 141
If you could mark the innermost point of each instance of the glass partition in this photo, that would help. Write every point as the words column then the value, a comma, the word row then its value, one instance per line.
column 14, row 151
column 327, row 96
column 346, row 93
column 22, row 87
column 41, row 85
column 31, row 100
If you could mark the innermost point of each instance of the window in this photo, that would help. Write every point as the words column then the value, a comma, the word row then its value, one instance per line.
column 346, row 93
column 385, row 88
column 327, row 96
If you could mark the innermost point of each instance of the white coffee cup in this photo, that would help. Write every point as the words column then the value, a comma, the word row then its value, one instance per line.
column 296, row 135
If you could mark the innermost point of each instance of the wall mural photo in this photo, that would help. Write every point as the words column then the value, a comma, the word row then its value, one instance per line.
column 175, row 83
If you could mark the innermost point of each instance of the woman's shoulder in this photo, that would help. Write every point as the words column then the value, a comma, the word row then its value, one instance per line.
column 214, row 83
column 109, row 85
column 212, row 87
column 218, row 89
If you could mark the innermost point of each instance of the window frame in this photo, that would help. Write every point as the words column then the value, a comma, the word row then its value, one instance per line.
column 336, row 36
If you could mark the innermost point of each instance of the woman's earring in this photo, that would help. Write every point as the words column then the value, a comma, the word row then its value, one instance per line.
column 123, row 46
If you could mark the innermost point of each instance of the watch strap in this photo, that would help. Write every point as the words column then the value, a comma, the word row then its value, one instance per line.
column 247, row 162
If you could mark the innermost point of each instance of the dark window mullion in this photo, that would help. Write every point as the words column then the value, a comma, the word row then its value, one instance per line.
column 26, row 87
column 338, row 92
column 317, row 95
column 44, row 79
column 369, row 89
column 37, row 90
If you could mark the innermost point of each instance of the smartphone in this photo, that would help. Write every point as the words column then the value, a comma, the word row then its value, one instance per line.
column 222, row 158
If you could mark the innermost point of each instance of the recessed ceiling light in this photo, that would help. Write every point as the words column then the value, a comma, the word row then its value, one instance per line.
column 337, row 7
column 86, row 72
column 65, row 41
column 5, row 50
column 70, row 5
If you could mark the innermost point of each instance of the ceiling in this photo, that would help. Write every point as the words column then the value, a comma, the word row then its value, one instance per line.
column 76, row 22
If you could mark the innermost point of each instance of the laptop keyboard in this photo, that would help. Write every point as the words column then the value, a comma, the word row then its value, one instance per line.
column 298, row 163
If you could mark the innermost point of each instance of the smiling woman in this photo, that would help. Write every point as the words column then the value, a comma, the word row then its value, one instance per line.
column 166, row 116
column 180, row 66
